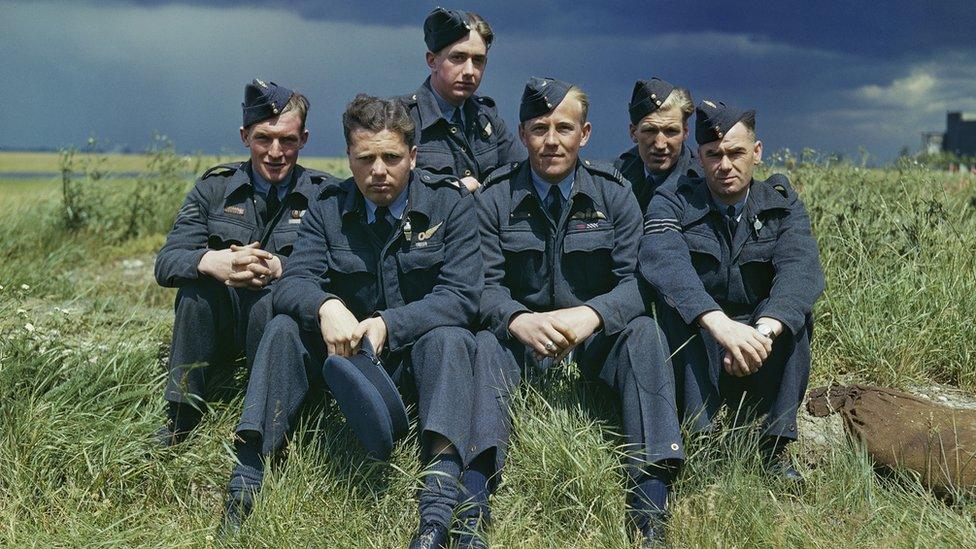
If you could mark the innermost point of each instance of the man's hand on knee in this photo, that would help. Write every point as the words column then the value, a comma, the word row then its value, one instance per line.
column 544, row 333
column 745, row 348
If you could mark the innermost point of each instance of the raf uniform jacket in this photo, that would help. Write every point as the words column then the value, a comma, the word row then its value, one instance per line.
column 631, row 165
column 769, row 267
column 586, row 258
column 220, row 210
column 483, row 144
column 428, row 274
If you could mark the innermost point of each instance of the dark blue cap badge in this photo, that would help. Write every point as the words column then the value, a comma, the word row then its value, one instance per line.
column 541, row 96
column 648, row 97
column 263, row 100
column 714, row 119
column 444, row 27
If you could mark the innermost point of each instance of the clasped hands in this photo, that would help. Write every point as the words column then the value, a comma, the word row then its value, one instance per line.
column 745, row 348
column 241, row 266
column 555, row 333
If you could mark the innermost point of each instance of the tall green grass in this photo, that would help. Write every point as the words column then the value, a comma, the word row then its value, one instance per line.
column 84, row 335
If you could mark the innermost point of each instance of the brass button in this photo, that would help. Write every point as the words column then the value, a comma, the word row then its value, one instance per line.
column 426, row 178
column 454, row 129
column 467, row 172
column 674, row 447
column 472, row 448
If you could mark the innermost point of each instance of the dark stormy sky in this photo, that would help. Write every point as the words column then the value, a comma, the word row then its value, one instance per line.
column 833, row 76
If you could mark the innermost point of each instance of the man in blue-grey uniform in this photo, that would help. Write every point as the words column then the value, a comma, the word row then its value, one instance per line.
column 659, row 113
column 390, row 255
column 736, row 267
column 458, row 132
column 559, row 236
column 229, row 243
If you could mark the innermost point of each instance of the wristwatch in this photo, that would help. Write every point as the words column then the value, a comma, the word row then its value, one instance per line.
column 765, row 330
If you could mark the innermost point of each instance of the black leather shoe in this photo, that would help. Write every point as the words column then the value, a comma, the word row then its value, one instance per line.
column 167, row 437
column 776, row 461
column 471, row 531
column 781, row 469
column 239, row 505
column 430, row 536
column 652, row 529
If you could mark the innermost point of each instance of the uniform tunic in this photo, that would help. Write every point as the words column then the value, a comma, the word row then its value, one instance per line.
column 631, row 165
column 769, row 267
column 215, row 323
column 472, row 149
column 424, row 281
column 587, row 257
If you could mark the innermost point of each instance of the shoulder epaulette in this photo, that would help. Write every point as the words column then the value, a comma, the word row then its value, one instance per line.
column 319, row 175
column 410, row 100
column 606, row 170
column 781, row 184
column 501, row 173
column 485, row 100
column 331, row 186
column 438, row 180
column 222, row 169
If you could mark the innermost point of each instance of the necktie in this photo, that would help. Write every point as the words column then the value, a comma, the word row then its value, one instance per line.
column 381, row 225
column 732, row 223
column 554, row 203
column 456, row 118
column 273, row 203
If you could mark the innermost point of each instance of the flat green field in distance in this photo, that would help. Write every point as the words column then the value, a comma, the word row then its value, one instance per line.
column 48, row 162
column 85, row 332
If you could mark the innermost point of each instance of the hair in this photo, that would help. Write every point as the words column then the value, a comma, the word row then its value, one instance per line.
column 749, row 121
column 298, row 103
column 374, row 114
column 480, row 26
column 584, row 100
column 680, row 98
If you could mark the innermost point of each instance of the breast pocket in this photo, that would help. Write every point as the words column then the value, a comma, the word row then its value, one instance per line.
column 756, row 268
column 486, row 155
column 525, row 267
column 587, row 264
column 223, row 233
column 282, row 240
column 419, row 269
column 435, row 159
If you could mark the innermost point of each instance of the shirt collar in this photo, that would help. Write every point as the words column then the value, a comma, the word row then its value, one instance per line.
column 397, row 207
column 262, row 185
column 542, row 186
column 447, row 109
column 737, row 207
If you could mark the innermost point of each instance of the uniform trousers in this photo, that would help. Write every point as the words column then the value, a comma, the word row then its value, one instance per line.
column 214, row 323
column 634, row 363
column 774, row 393
column 436, row 372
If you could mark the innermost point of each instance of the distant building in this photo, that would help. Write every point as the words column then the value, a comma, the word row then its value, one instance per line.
column 958, row 139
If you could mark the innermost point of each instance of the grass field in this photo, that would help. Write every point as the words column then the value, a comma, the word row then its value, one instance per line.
column 84, row 332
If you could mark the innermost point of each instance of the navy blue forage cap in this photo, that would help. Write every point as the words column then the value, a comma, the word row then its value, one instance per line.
column 647, row 97
column 263, row 100
column 368, row 398
column 445, row 27
column 714, row 119
column 541, row 96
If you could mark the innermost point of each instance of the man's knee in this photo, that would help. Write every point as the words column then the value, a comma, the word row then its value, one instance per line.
column 203, row 296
